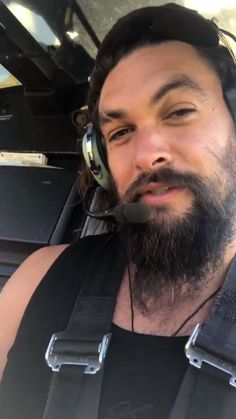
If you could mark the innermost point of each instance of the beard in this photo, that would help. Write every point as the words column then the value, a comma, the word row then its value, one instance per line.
column 178, row 252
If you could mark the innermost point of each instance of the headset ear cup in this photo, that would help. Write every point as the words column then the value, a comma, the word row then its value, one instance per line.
column 95, row 158
column 230, row 97
column 101, row 146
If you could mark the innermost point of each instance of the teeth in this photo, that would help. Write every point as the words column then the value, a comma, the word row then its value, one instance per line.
column 160, row 191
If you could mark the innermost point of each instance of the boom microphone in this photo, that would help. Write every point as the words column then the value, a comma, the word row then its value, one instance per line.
column 134, row 213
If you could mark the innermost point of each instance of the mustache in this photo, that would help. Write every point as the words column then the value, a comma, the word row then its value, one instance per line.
column 200, row 189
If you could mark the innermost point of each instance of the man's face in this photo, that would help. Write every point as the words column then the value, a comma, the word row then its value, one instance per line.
column 171, row 145
column 162, row 107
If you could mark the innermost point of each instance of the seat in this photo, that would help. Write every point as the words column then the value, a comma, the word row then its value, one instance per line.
column 38, row 207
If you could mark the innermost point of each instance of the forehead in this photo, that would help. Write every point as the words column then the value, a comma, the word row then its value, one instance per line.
column 148, row 67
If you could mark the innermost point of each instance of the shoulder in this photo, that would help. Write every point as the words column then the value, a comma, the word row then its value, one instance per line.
column 17, row 292
column 27, row 277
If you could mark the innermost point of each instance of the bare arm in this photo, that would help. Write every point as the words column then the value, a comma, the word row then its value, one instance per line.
column 17, row 292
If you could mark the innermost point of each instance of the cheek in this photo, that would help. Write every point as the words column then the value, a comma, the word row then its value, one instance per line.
column 120, row 165
column 191, row 146
column 203, row 148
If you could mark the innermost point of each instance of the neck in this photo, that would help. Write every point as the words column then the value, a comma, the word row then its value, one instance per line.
column 166, row 315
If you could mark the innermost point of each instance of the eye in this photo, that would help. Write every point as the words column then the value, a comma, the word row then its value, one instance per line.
column 180, row 113
column 119, row 134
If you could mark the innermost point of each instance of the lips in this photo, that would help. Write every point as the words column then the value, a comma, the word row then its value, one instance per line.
column 161, row 191
column 155, row 188
column 156, row 194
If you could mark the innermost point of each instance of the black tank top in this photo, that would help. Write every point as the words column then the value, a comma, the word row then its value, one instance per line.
column 142, row 372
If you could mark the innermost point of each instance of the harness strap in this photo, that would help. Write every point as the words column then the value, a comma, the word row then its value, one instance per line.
column 77, row 355
column 209, row 386
column 204, row 394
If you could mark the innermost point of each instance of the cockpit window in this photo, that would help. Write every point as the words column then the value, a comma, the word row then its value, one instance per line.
column 52, row 22
column 34, row 23
column 7, row 79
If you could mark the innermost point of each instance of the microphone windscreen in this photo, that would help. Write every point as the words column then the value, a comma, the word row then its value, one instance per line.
column 134, row 213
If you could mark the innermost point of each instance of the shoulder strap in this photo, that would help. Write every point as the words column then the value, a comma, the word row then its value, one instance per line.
column 77, row 355
column 209, row 391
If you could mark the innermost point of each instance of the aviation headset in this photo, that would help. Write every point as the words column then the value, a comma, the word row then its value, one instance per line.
column 170, row 21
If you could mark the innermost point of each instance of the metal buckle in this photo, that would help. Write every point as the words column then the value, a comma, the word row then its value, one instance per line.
column 92, row 362
column 197, row 356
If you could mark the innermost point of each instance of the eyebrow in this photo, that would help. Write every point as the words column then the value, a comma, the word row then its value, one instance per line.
column 180, row 81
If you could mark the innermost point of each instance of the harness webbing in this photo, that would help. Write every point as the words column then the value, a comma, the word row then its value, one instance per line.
column 79, row 351
column 77, row 355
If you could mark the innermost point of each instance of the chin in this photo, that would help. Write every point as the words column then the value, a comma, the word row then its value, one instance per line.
column 168, row 215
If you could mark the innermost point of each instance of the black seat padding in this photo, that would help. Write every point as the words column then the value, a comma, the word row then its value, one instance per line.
column 35, row 208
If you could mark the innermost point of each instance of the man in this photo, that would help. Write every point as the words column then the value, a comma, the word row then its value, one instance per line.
column 159, row 99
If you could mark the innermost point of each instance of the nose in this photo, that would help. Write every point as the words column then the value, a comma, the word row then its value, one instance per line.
column 152, row 150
